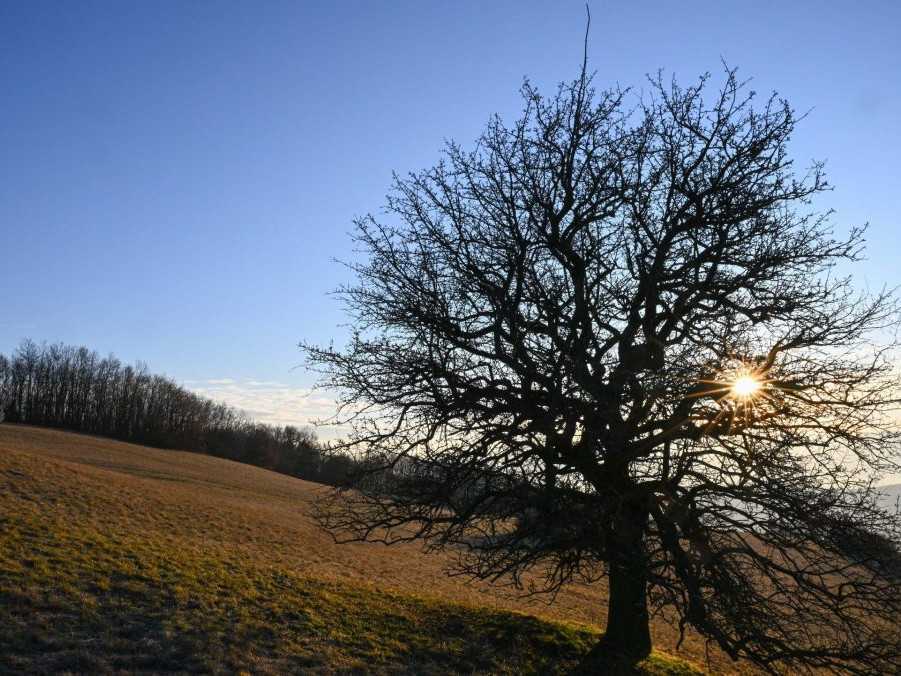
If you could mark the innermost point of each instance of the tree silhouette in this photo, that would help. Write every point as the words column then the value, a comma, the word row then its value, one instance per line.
column 613, row 341
column 74, row 388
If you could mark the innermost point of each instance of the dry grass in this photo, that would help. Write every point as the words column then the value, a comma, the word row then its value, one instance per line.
column 119, row 557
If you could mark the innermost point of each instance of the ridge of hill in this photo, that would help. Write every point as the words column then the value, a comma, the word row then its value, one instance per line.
column 116, row 557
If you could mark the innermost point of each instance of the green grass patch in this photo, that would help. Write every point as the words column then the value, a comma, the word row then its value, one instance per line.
column 85, row 589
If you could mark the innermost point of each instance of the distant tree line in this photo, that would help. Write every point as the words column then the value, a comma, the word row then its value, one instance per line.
column 76, row 389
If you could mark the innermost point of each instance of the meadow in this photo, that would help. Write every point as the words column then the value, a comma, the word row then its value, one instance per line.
column 118, row 558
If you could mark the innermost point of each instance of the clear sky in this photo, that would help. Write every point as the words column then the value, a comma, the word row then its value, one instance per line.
column 176, row 178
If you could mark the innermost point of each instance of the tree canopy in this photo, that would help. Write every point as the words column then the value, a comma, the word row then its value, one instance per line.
column 615, row 339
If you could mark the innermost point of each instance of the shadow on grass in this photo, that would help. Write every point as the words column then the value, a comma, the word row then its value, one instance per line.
column 75, row 597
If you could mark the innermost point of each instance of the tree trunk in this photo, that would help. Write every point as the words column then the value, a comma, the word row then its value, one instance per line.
column 627, row 638
column 628, row 633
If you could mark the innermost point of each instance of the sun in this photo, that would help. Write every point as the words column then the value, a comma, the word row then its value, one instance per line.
column 744, row 394
column 745, row 386
column 741, row 391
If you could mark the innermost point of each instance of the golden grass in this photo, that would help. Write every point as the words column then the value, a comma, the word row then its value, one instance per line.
column 119, row 557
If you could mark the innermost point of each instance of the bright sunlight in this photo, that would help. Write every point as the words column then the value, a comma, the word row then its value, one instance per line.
column 745, row 386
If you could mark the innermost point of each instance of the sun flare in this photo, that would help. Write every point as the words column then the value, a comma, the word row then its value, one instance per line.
column 745, row 386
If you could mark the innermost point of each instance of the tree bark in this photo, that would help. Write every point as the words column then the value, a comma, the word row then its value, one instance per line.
column 628, row 633
column 627, row 638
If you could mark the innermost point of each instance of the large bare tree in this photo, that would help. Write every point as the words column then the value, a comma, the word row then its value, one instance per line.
column 616, row 340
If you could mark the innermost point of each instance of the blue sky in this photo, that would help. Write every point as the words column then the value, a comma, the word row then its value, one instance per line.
column 176, row 178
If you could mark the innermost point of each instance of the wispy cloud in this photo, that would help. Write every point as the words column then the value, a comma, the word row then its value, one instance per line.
column 271, row 402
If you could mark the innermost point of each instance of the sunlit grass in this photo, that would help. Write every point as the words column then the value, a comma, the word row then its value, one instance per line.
column 90, row 583
column 75, row 599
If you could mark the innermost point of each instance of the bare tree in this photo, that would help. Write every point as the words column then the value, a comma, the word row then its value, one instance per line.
column 612, row 341
column 63, row 386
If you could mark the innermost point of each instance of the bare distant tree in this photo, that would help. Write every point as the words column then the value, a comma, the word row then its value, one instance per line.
column 72, row 388
column 614, row 340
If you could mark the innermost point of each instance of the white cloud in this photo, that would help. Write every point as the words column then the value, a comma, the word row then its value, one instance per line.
column 272, row 402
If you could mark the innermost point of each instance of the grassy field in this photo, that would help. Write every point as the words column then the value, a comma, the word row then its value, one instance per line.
column 120, row 558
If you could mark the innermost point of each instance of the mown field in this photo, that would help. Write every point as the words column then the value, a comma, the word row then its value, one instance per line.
column 121, row 558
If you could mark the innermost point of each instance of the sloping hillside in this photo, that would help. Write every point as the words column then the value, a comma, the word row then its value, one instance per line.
column 120, row 557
